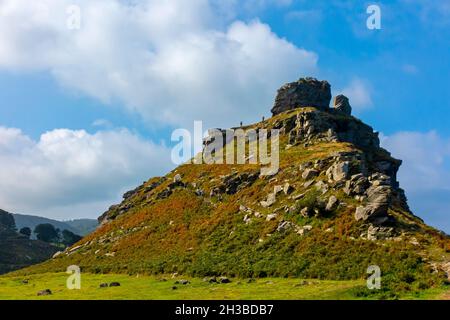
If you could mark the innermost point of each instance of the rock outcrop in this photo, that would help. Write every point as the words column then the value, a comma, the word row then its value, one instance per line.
column 306, row 92
column 308, row 125
column 342, row 105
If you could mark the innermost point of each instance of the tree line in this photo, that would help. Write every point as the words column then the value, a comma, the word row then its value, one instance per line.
column 48, row 233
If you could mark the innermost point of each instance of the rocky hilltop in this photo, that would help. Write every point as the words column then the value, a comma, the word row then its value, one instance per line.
column 333, row 208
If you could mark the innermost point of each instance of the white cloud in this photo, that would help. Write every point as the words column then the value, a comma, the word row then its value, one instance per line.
column 69, row 169
column 359, row 93
column 171, row 61
column 424, row 174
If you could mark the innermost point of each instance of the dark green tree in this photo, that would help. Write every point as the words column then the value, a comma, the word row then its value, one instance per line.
column 25, row 231
column 7, row 220
column 69, row 238
column 46, row 232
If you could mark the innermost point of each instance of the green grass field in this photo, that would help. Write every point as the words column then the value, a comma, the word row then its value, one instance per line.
column 152, row 287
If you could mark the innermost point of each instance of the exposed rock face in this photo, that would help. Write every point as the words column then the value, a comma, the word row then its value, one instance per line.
column 315, row 126
column 306, row 92
column 342, row 105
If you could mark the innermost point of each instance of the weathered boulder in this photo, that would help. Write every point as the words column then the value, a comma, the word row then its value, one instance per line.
column 287, row 188
column 284, row 226
column 376, row 211
column 339, row 171
column 445, row 266
column 177, row 178
column 357, row 185
column 378, row 233
column 114, row 284
column 322, row 187
column 332, row 204
column 310, row 174
column 164, row 194
column 199, row 192
column 305, row 212
column 235, row 182
column 57, row 254
column 45, row 292
column 306, row 92
column 304, row 230
column 210, row 279
column 342, row 105
column 271, row 199
column 224, row 280
column 271, row 217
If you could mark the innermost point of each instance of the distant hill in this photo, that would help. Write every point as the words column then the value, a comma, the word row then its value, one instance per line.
column 16, row 250
column 81, row 227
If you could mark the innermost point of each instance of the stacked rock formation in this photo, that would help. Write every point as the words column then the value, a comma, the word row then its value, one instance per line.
column 306, row 92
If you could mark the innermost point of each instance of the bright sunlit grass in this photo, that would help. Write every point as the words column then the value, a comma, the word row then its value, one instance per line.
column 153, row 287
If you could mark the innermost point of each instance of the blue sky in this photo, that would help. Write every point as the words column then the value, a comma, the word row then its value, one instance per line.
column 133, row 72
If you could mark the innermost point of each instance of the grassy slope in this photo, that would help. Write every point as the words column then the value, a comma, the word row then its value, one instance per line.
column 140, row 287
